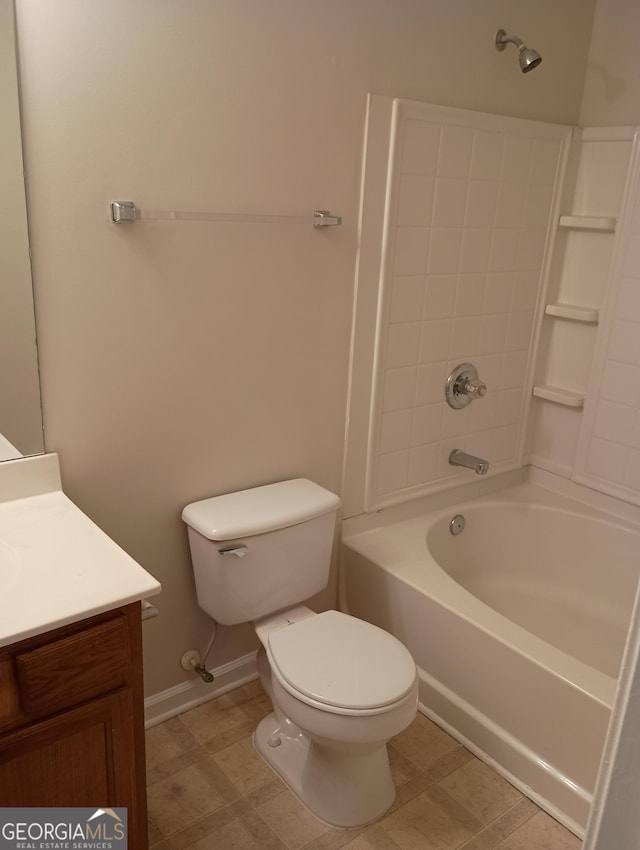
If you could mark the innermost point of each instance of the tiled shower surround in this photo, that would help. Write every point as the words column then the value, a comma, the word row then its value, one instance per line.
column 610, row 447
column 466, row 222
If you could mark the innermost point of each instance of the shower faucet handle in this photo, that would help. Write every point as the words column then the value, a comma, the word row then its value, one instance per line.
column 474, row 388
column 463, row 385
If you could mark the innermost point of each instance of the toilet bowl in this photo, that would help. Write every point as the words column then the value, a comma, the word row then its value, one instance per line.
column 341, row 688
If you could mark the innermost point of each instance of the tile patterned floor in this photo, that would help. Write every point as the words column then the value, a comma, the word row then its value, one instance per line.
column 209, row 790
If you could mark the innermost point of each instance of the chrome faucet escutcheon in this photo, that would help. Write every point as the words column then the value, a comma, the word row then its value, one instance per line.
column 477, row 464
column 463, row 385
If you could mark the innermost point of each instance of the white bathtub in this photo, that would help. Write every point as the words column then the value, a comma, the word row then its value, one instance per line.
column 517, row 626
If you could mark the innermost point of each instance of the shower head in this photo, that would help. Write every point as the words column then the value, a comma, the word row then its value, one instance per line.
column 528, row 58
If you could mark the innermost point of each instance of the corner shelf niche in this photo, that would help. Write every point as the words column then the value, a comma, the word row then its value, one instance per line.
column 558, row 395
column 580, row 268
column 573, row 312
column 605, row 224
column 589, row 221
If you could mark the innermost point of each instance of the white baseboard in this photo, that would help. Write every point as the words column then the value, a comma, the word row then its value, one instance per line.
column 186, row 695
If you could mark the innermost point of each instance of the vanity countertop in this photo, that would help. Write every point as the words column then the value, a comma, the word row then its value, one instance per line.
column 56, row 565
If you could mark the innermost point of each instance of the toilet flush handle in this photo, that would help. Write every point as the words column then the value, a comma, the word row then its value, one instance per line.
column 237, row 549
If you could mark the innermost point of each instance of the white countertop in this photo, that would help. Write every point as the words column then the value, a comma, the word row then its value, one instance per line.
column 56, row 565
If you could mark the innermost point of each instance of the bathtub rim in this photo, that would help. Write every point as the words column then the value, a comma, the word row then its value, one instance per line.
column 448, row 593
column 559, row 491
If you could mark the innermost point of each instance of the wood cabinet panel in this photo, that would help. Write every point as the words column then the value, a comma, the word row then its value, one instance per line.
column 74, row 669
column 61, row 762
column 71, row 705
column 9, row 697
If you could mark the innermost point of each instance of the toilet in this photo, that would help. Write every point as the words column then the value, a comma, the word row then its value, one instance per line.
column 340, row 687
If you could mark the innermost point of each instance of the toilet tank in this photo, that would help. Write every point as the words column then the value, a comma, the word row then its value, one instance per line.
column 257, row 551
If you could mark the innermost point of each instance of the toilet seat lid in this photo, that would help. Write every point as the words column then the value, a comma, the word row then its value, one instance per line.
column 341, row 661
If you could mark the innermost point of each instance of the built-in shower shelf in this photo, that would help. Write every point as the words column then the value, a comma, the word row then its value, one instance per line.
column 558, row 395
column 574, row 312
column 605, row 224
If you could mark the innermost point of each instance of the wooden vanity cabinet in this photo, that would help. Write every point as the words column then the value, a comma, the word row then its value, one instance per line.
column 72, row 718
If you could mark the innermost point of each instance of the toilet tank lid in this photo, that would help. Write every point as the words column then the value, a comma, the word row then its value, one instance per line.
column 260, row 509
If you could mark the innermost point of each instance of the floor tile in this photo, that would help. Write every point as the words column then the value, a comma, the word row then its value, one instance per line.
column 232, row 836
column 261, row 832
column 169, row 748
column 199, row 829
column 181, row 799
column 491, row 836
column 481, row 790
column 230, row 736
column 374, row 838
column 165, row 844
column 334, row 839
column 167, row 741
column 422, row 824
column 542, row 832
column 454, row 809
column 154, row 832
column 291, row 821
column 410, row 789
column 167, row 768
column 265, row 792
column 252, row 702
column 401, row 768
column 243, row 766
column 450, row 761
column 215, row 718
column 423, row 742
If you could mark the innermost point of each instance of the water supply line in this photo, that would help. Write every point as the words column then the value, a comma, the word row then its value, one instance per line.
column 192, row 660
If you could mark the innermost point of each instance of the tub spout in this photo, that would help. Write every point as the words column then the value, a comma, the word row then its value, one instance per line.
column 477, row 464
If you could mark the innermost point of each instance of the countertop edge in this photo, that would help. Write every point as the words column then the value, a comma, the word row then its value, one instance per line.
column 78, row 617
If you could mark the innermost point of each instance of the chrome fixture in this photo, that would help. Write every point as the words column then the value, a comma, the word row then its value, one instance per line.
column 477, row 464
column 457, row 524
column 237, row 549
column 127, row 211
column 463, row 385
column 528, row 58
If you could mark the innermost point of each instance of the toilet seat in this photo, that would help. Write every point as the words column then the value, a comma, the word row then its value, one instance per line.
column 340, row 664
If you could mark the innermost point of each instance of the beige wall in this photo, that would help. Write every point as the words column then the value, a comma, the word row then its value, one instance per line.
column 181, row 360
column 612, row 82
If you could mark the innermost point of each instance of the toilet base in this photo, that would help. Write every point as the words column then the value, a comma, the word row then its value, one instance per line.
column 343, row 788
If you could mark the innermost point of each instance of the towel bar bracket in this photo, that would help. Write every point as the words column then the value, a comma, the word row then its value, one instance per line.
column 326, row 219
column 123, row 211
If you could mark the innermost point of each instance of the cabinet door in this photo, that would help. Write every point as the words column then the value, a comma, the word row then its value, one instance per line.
column 83, row 757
